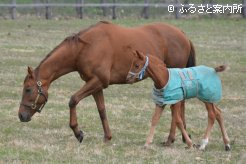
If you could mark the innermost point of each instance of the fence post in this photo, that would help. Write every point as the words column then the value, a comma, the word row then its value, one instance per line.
column 104, row 9
column 209, row 9
column 13, row 10
column 212, row 9
column 244, row 8
column 145, row 13
column 80, row 9
column 47, row 10
column 177, row 13
column 36, row 8
column 186, row 2
column 114, row 10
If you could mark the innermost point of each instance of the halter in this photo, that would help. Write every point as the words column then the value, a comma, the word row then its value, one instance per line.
column 40, row 93
column 141, row 73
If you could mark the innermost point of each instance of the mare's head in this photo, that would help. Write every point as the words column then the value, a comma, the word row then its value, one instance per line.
column 138, row 68
column 34, row 97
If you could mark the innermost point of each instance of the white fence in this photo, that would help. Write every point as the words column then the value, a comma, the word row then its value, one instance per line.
column 176, row 8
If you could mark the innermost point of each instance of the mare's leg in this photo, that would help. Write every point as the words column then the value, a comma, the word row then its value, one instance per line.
column 98, row 96
column 155, row 119
column 91, row 86
column 220, row 120
column 211, row 119
column 178, row 120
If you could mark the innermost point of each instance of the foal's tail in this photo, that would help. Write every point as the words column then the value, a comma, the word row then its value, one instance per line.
column 192, row 56
column 221, row 68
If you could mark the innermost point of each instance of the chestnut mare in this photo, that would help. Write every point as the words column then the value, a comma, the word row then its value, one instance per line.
column 158, row 72
column 101, row 54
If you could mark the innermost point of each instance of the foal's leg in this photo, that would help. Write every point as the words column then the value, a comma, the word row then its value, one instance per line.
column 214, row 113
column 171, row 136
column 211, row 119
column 183, row 118
column 92, row 86
column 98, row 96
column 220, row 120
column 179, row 122
column 155, row 119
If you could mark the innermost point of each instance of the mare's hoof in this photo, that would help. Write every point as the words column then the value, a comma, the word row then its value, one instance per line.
column 183, row 139
column 227, row 147
column 80, row 136
column 107, row 139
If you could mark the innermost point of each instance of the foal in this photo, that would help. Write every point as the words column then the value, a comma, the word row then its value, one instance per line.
column 171, row 86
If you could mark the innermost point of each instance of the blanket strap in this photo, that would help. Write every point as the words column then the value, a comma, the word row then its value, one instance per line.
column 190, row 75
column 182, row 75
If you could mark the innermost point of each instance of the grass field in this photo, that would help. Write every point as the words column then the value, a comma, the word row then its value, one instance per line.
column 48, row 138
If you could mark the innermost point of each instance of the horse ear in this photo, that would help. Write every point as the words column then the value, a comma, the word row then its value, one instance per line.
column 134, row 53
column 30, row 72
column 83, row 41
column 140, row 55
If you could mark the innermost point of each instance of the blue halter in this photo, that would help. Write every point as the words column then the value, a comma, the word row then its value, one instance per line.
column 141, row 73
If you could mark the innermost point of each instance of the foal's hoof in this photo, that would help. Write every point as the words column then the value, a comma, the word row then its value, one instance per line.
column 146, row 145
column 227, row 147
column 80, row 136
column 196, row 146
column 191, row 147
column 167, row 143
column 201, row 147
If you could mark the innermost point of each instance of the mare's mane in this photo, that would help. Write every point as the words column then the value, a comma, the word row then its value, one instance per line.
column 72, row 39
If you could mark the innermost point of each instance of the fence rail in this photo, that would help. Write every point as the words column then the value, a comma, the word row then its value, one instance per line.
column 177, row 7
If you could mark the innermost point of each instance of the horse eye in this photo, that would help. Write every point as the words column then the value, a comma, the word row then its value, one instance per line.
column 28, row 90
column 136, row 66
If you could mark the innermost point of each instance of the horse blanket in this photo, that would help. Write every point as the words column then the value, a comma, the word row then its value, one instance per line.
column 200, row 81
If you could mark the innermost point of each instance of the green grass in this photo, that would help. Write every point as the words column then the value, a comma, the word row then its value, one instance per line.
column 48, row 138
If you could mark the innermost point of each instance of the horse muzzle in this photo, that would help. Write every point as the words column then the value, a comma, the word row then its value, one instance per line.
column 130, row 79
column 24, row 117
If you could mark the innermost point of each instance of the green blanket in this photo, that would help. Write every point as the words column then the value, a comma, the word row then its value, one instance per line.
column 201, row 82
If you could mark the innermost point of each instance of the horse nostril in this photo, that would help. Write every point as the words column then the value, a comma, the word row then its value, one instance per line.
column 24, row 117
column 21, row 117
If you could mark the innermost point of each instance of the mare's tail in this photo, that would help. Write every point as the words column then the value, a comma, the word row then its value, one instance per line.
column 192, row 56
column 221, row 68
